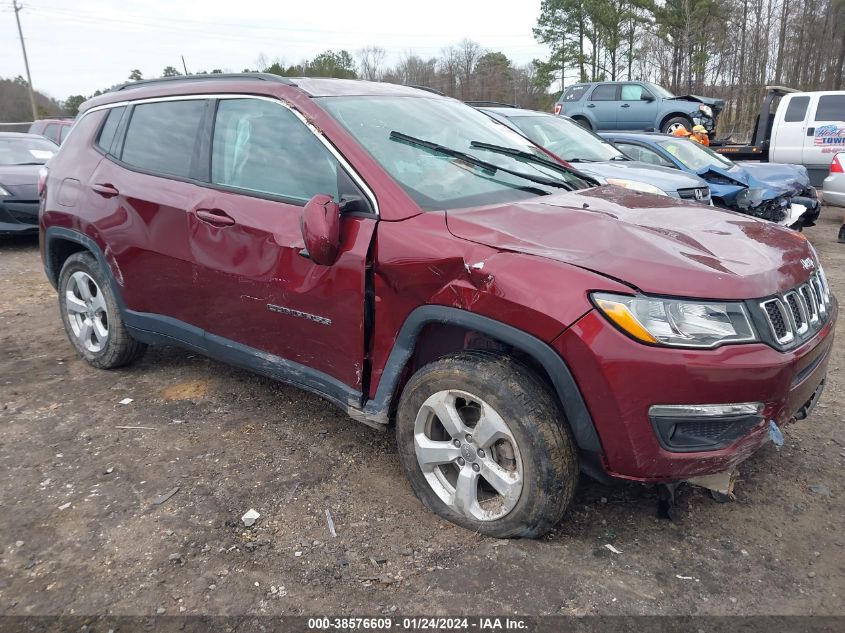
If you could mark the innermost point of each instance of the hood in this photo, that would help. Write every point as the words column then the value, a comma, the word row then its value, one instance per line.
column 665, row 178
column 652, row 243
column 778, row 176
column 19, row 174
column 773, row 184
column 716, row 104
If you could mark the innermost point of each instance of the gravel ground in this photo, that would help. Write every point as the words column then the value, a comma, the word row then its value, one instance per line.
column 85, row 527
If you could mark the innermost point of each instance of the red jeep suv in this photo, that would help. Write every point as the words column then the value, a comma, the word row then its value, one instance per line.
column 414, row 262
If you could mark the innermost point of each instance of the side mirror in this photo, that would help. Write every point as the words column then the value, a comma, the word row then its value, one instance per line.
column 321, row 229
column 646, row 97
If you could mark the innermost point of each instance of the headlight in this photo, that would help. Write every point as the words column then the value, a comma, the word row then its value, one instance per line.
column 3, row 192
column 706, row 110
column 677, row 322
column 636, row 186
column 750, row 198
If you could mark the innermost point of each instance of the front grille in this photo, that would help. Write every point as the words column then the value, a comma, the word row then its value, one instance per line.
column 699, row 194
column 799, row 313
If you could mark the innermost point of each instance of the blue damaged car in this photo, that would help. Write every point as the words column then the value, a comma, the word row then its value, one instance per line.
column 776, row 192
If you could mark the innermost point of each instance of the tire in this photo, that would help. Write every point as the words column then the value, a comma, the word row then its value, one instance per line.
column 91, row 316
column 532, row 456
column 672, row 124
column 583, row 122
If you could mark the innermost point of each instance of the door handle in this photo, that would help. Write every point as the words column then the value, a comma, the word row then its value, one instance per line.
column 626, row 105
column 591, row 105
column 106, row 190
column 215, row 217
column 811, row 131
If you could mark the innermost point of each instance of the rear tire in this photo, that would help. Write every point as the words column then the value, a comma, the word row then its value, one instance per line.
column 675, row 123
column 484, row 444
column 91, row 315
column 583, row 122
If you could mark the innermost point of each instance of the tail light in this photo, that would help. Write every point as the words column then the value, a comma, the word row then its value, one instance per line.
column 42, row 180
column 558, row 108
column 836, row 165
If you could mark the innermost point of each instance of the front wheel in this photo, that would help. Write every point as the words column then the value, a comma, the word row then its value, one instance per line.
column 484, row 444
column 676, row 123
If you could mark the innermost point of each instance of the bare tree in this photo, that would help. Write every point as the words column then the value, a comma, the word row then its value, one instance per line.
column 371, row 62
column 468, row 53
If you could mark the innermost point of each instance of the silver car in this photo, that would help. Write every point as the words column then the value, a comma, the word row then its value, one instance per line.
column 834, row 185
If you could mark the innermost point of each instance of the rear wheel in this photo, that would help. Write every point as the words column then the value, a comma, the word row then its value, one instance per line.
column 676, row 123
column 484, row 445
column 582, row 122
column 91, row 316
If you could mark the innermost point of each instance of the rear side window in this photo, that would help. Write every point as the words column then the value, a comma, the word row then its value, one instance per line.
column 63, row 132
column 263, row 147
column 52, row 132
column 796, row 110
column 161, row 136
column 831, row 108
column 604, row 92
column 574, row 93
column 107, row 132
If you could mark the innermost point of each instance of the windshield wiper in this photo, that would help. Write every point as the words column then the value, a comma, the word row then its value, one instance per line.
column 472, row 160
column 540, row 160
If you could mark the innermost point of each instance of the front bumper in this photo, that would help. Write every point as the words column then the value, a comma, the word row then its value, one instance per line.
column 18, row 216
column 708, row 123
column 621, row 380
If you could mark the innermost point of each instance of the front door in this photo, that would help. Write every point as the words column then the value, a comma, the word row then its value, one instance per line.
column 790, row 129
column 258, row 287
column 635, row 111
column 826, row 133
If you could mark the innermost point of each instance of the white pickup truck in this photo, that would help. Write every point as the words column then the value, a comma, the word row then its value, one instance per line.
column 802, row 128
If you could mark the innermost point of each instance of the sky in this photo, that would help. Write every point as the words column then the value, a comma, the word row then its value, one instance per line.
column 77, row 47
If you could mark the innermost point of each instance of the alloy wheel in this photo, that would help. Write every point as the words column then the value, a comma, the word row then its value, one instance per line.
column 468, row 455
column 87, row 312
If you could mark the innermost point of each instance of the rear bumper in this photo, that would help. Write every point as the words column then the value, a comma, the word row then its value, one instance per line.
column 834, row 190
column 621, row 380
column 18, row 216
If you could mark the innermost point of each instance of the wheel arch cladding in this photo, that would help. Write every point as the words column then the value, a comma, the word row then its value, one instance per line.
column 536, row 351
column 60, row 243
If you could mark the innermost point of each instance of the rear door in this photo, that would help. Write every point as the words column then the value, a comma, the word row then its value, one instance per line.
column 144, row 189
column 825, row 133
column 257, row 286
column 635, row 112
column 790, row 129
column 603, row 105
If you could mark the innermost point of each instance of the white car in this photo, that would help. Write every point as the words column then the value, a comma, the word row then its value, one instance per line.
column 834, row 184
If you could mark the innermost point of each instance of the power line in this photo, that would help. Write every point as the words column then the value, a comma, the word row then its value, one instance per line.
column 25, row 60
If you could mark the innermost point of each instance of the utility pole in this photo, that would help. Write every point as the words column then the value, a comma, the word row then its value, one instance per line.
column 17, row 9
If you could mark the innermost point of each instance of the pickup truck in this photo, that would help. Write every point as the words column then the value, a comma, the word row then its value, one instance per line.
column 803, row 128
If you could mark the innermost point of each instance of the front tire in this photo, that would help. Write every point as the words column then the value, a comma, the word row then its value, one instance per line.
column 676, row 123
column 91, row 316
column 484, row 444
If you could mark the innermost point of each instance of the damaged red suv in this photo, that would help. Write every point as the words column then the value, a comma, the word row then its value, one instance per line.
column 417, row 264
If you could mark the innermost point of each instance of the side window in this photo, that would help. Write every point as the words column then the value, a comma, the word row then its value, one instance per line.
column 161, row 136
column 644, row 154
column 632, row 92
column 52, row 132
column 796, row 109
column 107, row 132
column 63, row 132
column 263, row 147
column 831, row 108
column 604, row 92
column 574, row 93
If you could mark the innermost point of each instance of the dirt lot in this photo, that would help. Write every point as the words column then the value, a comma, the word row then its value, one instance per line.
column 81, row 531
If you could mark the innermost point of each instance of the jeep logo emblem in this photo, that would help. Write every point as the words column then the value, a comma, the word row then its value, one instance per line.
column 808, row 263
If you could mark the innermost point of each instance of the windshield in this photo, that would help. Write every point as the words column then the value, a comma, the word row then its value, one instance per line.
column 659, row 91
column 566, row 139
column 433, row 179
column 21, row 150
column 694, row 155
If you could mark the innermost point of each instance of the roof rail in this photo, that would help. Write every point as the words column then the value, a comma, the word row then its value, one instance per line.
column 427, row 89
column 205, row 77
column 490, row 104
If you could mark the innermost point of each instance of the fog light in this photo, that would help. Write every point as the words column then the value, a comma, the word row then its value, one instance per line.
column 703, row 427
